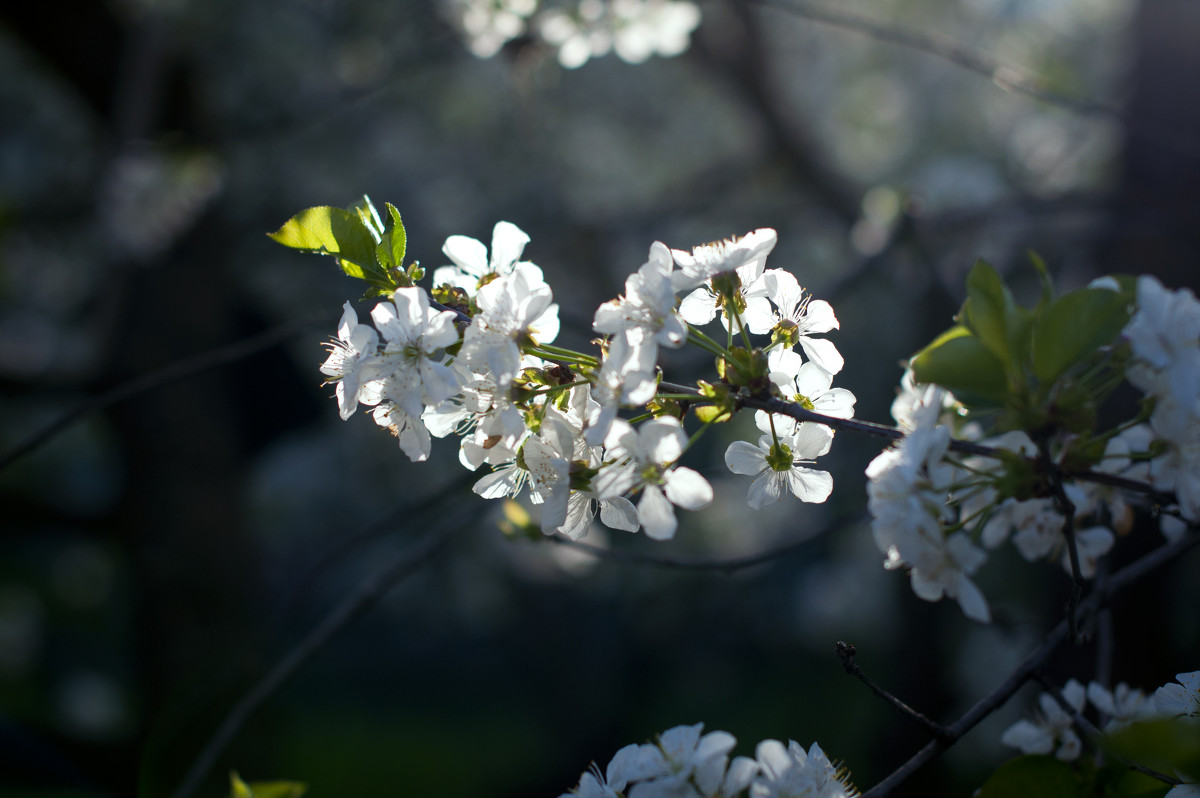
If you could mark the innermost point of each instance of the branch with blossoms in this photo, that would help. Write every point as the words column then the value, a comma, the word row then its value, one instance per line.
column 996, row 435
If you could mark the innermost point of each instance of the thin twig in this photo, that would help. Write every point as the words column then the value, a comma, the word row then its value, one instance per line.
column 1008, row 77
column 1066, row 508
column 846, row 653
column 727, row 566
column 1128, row 575
column 368, row 593
column 215, row 358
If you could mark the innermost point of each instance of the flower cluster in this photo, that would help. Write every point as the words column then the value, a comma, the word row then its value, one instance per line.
column 479, row 361
column 602, row 433
column 1054, row 727
column 937, row 515
column 1164, row 336
column 685, row 763
column 907, row 491
column 582, row 29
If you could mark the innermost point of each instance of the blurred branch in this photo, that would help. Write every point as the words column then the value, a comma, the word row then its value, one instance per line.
column 747, row 64
column 1005, row 76
column 367, row 595
column 1008, row 77
column 1134, row 572
column 215, row 358
column 684, row 563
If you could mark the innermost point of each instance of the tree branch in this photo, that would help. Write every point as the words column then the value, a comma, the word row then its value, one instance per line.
column 1008, row 77
column 684, row 563
column 188, row 367
column 368, row 594
column 1128, row 575
column 846, row 653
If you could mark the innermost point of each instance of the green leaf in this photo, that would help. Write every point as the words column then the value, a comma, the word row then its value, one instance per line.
column 1132, row 784
column 1073, row 326
column 278, row 789
column 961, row 363
column 1170, row 745
column 1044, row 277
column 1031, row 777
column 397, row 237
column 264, row 789
column 237, row 787
column 369, row 217
column 332, row 231
column 987, row 309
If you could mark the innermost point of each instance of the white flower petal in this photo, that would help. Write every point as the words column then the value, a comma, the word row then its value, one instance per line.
column 687, row 489
column 743, row 457
column 656, row 514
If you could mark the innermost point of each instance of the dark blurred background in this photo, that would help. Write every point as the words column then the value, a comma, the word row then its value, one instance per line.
column 160, row 555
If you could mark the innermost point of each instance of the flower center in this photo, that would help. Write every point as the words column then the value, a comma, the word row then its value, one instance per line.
column 779, row 457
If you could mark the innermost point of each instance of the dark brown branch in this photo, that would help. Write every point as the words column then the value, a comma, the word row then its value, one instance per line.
column 846, row 653
column 1067, row 509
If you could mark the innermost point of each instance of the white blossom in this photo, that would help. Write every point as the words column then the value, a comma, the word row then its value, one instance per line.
column 1164, row 334
column 647, row 310
column 409, row 430
column 1052, row 729
column 791, row 772
column 471, row 262
column 413, row 335
column 356, row 344
column 1122, row 705
column 682, row 762
column 796, row 316
column 806, row 384
column 1181, row 698
column 778, row 469
column 644, row 460
column 907, row 498
column 513, row 309
column 708, row 260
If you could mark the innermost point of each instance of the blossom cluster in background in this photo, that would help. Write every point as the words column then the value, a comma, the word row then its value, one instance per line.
column 581, row 30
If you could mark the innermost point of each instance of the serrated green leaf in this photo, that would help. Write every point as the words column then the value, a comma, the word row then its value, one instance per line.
column 987, row 309
column 369, row 217
column 397, row 237
column 1031, row 777
column 332, row 231
column 961, row 363
column 1073, row 326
